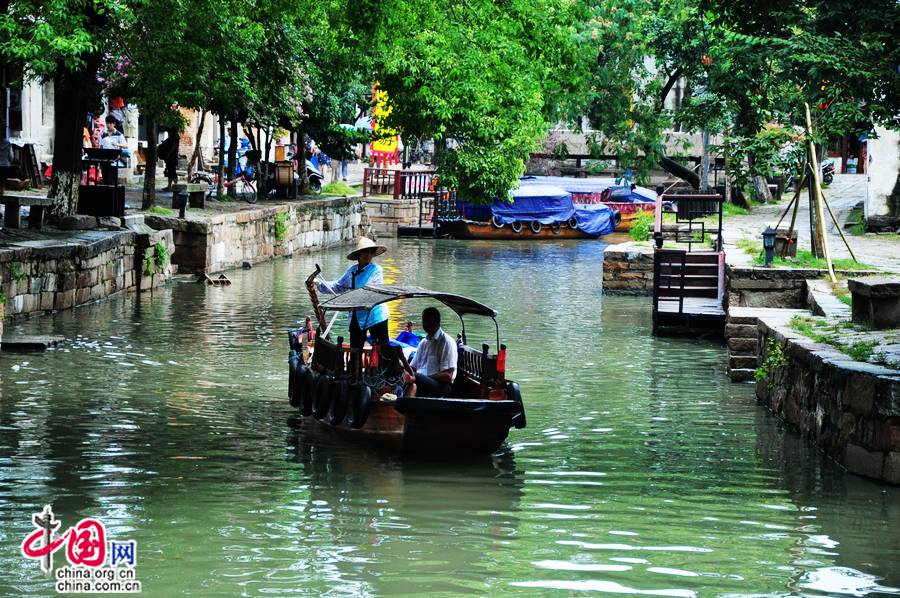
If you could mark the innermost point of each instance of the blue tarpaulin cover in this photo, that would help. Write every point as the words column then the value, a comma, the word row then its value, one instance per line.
column 535, row 203
column 594, row 219
column 620, row 193
column 549, row 204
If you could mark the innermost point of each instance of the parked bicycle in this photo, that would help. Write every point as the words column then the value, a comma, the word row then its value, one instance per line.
column 244, row 184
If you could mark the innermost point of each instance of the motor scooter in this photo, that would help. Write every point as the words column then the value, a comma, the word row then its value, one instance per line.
column 315, row 177
column 827, row 168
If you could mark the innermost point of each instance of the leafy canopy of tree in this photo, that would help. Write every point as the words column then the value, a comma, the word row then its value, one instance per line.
column 486, row 75
column 748, row 67
column 484, row 78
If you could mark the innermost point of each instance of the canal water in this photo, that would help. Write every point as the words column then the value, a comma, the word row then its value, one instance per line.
column 642, row 469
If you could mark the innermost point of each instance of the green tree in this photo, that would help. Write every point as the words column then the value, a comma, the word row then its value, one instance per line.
column 485, row 78
column 62, row 42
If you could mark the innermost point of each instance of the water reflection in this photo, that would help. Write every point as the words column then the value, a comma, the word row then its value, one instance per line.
column 642, row 469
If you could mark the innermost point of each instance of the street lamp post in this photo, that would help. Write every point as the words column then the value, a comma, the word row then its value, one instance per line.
column 769, row 245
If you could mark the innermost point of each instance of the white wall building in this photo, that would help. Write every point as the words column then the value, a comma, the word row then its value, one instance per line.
column 882, row 206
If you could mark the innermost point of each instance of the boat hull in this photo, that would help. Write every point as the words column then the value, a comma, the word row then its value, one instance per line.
column 629, row 212
column 470, row 229
column 439, row 427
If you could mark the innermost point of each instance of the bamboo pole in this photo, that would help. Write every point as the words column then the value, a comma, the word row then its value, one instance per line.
column 817, row 190
column 796, row 201
column 838, row 227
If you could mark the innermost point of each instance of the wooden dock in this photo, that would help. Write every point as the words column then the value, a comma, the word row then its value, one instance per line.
column 687, row 292
column 17, row 343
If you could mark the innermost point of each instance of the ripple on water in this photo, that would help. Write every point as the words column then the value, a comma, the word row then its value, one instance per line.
column 643, row 470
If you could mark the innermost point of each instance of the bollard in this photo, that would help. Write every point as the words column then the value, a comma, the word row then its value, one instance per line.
column 179, row 202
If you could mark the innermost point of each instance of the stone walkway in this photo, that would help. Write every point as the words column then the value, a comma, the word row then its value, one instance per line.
column 843, row 195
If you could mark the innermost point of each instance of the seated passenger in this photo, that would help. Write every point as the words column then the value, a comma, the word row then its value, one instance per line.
column 433, row 368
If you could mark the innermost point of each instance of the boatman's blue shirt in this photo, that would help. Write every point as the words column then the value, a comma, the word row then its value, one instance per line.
column 370, row 274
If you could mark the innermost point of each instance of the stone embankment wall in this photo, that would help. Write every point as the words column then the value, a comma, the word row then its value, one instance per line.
column 386, row 214
column 628, row 269
column 82, row 269
column 225, row 241
column 747, row 286
column 849, row 409
column 742, row 337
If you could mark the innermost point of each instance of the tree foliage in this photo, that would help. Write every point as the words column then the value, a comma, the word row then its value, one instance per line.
column 482, row 75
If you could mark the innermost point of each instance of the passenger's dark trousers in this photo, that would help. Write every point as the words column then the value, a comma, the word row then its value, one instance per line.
column 426, row 386
column 378, row 331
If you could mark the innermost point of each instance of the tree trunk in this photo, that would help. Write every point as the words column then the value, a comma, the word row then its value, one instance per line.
column 301, row 160
column 152, row 124
column 220, row 186
column 761, row 187
column 69, row 111
column 232, row 155
column 195, row 156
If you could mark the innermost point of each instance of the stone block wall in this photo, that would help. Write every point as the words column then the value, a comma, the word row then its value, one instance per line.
column 742, row 337
column 83, row 269
column 849, row 409
column 386, row 215
column 785, row 288
column 228, row 240
column 628, row 269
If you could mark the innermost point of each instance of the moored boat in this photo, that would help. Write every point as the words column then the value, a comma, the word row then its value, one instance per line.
column 629, row 201
column 358, row 392
column 533, row 212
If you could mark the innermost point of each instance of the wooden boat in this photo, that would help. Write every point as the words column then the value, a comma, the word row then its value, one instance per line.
column 628, row 213
column 471, row 229
column 352, row 391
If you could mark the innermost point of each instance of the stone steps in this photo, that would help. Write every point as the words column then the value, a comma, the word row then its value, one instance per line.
column 742, row 338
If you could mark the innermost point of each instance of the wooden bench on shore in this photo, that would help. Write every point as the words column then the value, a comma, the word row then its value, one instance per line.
column 13, row 203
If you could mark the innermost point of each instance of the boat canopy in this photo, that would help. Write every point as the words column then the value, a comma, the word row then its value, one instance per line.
column 369, row 296
column 587, row 188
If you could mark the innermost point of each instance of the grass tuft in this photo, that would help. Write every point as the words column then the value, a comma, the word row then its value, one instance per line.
column 339, row 188
column 160, row 211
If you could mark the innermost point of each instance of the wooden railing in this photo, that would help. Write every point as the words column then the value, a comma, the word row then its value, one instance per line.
column 405, row 184
column 668, row 264
column 692, row 210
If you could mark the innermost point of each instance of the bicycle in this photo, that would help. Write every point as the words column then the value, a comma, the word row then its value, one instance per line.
column 245, row 187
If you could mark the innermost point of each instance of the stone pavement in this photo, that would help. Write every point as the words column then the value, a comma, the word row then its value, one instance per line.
column 843, row 195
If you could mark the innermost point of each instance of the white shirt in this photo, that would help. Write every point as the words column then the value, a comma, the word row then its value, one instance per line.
column 435, row 354
column 113, row 141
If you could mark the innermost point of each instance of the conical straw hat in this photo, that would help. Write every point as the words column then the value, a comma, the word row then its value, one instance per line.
column 364, row 243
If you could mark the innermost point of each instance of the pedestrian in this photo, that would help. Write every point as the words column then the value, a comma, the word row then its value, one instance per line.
column 365, row 271
column 167, row 151
column 112, row 140
column 97, row 128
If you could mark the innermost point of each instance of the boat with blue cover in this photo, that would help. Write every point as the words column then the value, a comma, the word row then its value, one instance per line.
column 547, row 208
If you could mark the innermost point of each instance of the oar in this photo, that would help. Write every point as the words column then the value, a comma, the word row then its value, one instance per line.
column 314, row 297
column 330, row 324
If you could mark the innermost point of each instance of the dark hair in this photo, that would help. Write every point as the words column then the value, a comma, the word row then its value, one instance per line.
column 112, row 119
column 431, row 312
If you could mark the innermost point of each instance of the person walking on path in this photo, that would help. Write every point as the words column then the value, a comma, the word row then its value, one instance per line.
column 364, row 271
column 167, row 151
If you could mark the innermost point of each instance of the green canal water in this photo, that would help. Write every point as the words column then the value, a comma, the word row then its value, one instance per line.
column 642, row 469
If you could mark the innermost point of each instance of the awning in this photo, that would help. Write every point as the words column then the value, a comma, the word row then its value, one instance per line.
column 371, row 295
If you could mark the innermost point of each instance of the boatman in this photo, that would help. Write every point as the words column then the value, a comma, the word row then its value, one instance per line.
column 433, row 368
column 364, row 271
